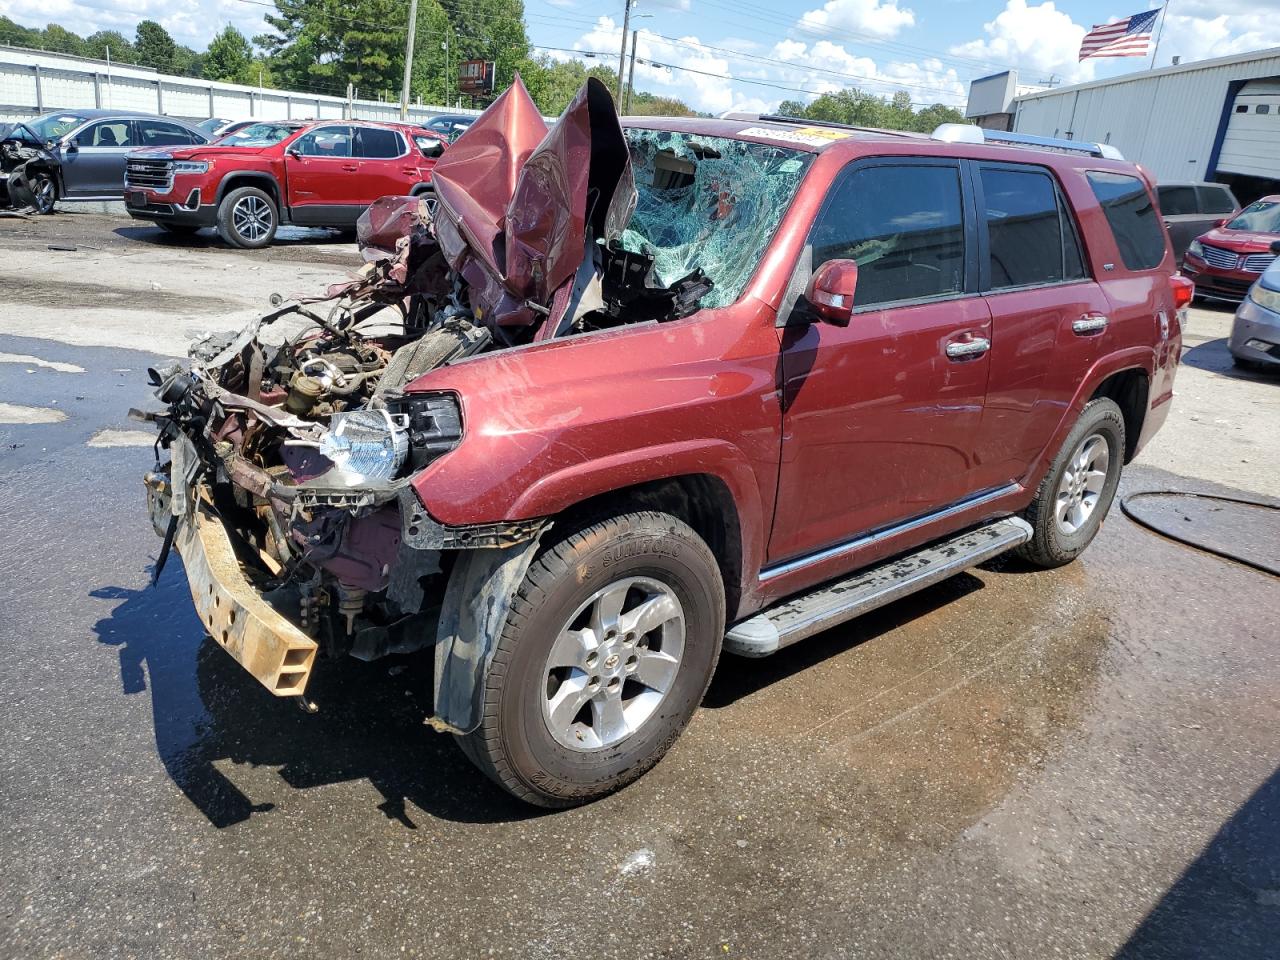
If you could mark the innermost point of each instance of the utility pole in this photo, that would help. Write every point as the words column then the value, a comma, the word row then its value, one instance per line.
column 622, row 55
column 408, row 60
column 631, row 74
column 444, row 91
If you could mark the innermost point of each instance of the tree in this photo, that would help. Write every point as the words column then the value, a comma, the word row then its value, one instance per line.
column 118, row 44
column 330, row 43
column 16, row 35
column 229, row 57
column 186, row 62
column 62, row 40
column 861, row 109
column 155, row 47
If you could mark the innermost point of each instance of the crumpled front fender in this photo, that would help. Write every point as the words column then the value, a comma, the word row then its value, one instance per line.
column 476, row 604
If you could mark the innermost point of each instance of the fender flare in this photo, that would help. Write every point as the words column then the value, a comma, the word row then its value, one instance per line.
column 255, row 177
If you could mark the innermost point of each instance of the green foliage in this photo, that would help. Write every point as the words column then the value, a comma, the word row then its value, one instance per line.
column 861, row 109
column 229, row 58
column 16, row 35
column 155, row 47
column 61, row 40
column 98, row 44
column 326, row 44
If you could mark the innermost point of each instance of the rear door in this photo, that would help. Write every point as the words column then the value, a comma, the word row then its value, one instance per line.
column 386, row 167
column 879, row 418
column 1048, row 315
column 93, row 162
column 1183, row 216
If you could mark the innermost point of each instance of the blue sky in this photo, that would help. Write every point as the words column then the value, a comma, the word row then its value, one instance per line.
column 749, row 54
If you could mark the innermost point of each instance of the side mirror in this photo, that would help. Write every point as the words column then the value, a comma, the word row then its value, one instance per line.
column 1275, row 248
column 294, row 152
column 830, row 291
column 1221, row 222
column 70, row 146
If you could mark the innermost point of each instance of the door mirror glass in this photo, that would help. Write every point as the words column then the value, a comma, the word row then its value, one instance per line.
column 71, row 146
column 830, row 291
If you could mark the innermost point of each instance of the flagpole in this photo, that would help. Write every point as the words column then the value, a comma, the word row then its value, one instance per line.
column 1159, row 33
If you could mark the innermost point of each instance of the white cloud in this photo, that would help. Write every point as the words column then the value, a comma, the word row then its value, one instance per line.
column 190, row 22
column 1040, row 37
column 881, row 18
column 1220, row 35
column 830, row 67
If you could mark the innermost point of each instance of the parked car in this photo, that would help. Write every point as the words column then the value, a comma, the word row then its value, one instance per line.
column 315, row 173
column 80, row 154
column 217, row 127
column 450, row 126
column 1255, row 334
column 1225, row 262
column 1189, row 209
column 766, row 376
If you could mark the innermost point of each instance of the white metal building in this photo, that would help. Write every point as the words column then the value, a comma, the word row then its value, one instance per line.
column 1210, row 120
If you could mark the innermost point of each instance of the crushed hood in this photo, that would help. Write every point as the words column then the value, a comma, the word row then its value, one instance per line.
column 519, row 207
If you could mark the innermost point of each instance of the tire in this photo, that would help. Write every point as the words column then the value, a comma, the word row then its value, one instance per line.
column 179, row 229
column 428, row 194
column 645, row 561
column 1067, row 512
column 247, row 218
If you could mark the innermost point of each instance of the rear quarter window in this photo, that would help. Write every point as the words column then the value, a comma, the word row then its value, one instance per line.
column 1132, row 217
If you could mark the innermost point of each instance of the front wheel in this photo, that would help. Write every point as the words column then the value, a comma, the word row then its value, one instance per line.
column 1076, row 493
column 247, row 218
column 607, row 651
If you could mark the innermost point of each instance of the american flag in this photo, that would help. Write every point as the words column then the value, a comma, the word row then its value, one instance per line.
column 1124, row 38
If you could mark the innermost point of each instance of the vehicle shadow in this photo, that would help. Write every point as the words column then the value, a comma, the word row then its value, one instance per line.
column 738, row 677
column 206, row 709
column 208, row 238
column 1213, row 356
column 1227, row 901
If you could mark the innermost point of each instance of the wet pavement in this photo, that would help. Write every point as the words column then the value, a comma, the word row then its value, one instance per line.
column 1015, row 763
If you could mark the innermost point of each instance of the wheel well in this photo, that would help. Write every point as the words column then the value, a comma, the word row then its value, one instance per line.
column 702, row 501
column 420, row 188
column 266, row 184
column 1128, row 388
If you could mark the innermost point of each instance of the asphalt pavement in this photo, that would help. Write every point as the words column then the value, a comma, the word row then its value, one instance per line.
column 1014, row 763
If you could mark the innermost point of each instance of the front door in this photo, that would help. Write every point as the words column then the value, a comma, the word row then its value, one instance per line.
column 880, row 417
column 323, row 177
column 93, row 161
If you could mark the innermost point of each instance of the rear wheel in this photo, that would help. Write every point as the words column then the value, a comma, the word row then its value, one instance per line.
column 247, row 217
column 1076, row 493
column 608, row 649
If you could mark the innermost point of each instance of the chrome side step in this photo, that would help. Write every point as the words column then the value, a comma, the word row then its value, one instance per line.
column 835, row 602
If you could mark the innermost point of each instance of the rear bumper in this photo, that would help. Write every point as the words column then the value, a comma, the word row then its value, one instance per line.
column 189, row 211
column 1254, row 325
column 260, row 638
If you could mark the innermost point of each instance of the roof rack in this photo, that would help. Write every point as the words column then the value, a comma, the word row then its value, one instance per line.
column 781, row 118
column 968, row 133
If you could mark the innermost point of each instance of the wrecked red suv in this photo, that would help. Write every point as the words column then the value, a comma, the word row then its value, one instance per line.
column 658, row 391
column 313, row 174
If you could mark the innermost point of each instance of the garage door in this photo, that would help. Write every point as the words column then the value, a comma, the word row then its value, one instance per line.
column 1252, row 144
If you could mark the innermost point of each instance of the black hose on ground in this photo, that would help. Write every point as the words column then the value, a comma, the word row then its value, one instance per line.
column 1224, row 554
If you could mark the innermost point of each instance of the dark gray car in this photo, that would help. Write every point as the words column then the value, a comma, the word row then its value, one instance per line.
column 80, row 154
column 1190, row 209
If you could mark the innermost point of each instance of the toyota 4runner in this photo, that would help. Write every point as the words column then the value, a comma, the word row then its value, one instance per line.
column 314, row 174
column 657, row 389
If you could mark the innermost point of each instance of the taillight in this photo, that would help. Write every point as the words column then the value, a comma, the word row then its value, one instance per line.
column 1183, row 290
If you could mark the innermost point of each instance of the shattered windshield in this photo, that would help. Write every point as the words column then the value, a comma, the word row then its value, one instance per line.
column 53, row 125
column 259, row 135
column 708, row 202
column 1261, row 217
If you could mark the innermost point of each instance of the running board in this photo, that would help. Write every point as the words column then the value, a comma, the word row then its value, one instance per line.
column 840, row 600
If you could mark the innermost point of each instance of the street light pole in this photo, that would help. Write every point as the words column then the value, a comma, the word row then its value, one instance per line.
column 631, row 74
column 408, row 60
column 622, row 55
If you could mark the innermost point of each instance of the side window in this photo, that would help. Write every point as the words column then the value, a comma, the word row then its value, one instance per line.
column 1132, row 217
column 1031, row 238
column 325, row 142
column 375, row 143
column 109, row 133
column 156, row 133
column 903, row 225
column 1217, row 200
column 1175, row 201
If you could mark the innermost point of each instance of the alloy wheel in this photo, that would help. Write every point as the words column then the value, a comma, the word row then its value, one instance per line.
column 43, row 189
column 1082, row 483
column 613, row 663
column 252, row 218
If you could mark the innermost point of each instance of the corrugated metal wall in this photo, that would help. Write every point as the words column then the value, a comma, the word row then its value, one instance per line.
column 1166, row 120
column 32, row 83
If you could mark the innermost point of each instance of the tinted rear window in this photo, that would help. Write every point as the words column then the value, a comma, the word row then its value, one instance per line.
column 376, row 143
column 1030, row 239
column 1176, row 201
column 1132, row 216
column 1217, row 200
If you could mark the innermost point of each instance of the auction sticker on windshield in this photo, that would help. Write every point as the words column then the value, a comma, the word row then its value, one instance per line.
column 813, row 136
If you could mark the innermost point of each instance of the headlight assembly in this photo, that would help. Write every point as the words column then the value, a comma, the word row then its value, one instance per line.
column 1267, row 299
column 191, row 166
column 1196, row 249
column 366, row 445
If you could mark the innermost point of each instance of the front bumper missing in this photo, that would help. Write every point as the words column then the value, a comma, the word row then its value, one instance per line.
column 259, row 637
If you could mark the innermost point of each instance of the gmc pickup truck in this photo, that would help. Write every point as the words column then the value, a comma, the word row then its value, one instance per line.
column 659, row 388
column 315, row 174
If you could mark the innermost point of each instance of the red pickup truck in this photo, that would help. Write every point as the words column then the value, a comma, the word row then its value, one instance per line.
column 659, row 388
column 314, row 174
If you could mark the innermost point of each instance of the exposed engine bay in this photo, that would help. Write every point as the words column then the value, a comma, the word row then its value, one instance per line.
column 304, row 447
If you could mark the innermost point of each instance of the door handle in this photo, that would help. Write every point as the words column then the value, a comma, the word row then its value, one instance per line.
column 350, row 167
column 1090, row 323
column 963, row 349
